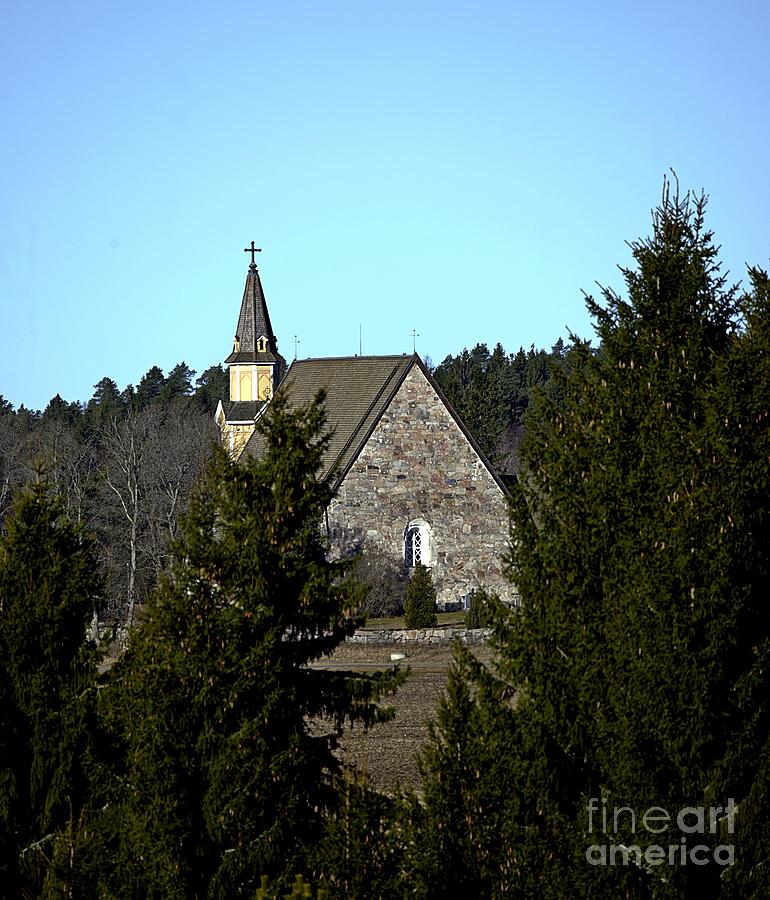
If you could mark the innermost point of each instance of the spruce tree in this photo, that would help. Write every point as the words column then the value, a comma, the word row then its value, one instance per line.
column 479, row 614
column 225, row 779
column 640, row 552
column 49, row 590
column 467, row 812
column 640, row 559
column 420, row 600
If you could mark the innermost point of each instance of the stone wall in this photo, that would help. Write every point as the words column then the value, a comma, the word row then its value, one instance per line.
column 418, row 465
column 420, row 635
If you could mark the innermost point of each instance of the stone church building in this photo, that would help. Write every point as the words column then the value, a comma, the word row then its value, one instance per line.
column 409, row 477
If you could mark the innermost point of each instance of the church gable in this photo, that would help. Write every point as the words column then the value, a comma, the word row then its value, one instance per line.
column 410, row 479
column 421, row 490
column 357, row 389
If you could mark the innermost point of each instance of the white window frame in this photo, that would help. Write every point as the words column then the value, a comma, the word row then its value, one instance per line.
column 417, row 530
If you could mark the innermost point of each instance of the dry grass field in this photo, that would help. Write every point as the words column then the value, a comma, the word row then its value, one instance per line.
column 387, row 753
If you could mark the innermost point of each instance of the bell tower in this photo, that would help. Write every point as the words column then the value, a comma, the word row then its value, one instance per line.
column 254, row 360
column 253, row 364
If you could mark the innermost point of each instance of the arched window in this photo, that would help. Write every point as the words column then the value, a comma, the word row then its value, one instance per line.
column 416, row 544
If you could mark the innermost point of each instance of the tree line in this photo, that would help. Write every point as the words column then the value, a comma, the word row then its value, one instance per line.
column 493, row 392
column 618, row 745
column 123, row 465
column 124, row 461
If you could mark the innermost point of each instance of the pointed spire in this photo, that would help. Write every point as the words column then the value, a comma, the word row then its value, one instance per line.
column 254, row 338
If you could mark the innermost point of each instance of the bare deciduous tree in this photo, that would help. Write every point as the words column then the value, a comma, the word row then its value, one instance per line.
column 126, row 442
column 14, row 470
column 175, row 455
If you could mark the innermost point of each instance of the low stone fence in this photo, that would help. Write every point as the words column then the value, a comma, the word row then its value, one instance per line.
column 420, row 635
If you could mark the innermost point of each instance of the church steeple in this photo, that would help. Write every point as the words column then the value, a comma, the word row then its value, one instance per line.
column 254, row 360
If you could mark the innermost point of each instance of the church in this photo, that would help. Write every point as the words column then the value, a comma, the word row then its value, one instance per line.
column 409, row 478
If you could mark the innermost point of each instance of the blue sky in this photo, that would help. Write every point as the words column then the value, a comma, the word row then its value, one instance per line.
column 462, row 169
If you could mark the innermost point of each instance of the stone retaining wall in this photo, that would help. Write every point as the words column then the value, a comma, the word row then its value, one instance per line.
column 420, row 635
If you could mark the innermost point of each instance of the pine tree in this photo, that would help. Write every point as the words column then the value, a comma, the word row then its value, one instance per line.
column 106, row 405
column 211, row 387
column 420, row 600
column 48, row 594
column 179, row 382
column 225, row 780
column 150, row 386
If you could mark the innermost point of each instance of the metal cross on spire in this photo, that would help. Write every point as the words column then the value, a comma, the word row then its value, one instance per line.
column 252, row 250
column 415, row 335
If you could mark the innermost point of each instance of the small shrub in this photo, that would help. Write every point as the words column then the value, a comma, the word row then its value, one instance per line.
column 420, row 602
column 479, row 614
column 385, row 582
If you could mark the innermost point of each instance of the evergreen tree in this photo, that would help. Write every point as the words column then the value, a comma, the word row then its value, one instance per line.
column 106, row 395
column 178, row 383
column 48, row 594
column 420, row 600
column 128, row 397
column 473, row 824
column 492, row 392
column 60, row 411
column 106, row 405
column 150, row 386
column 641, row 556
column 225, row 780
column 637, row 587
column 211, row 387
column 479, row 613
column 368, row 844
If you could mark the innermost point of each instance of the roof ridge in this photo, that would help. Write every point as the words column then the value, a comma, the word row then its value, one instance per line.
column 399, row 356
column 363, row 418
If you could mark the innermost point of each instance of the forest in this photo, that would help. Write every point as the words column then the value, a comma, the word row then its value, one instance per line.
column 618, row 746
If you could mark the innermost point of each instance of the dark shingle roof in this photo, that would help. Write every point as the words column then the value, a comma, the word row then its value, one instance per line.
column 241, row 356
column 358, row 390
column 253, row 321
column 241, row 410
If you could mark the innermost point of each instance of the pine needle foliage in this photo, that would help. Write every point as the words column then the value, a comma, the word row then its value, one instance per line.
column 225, row 779
column 49, row 590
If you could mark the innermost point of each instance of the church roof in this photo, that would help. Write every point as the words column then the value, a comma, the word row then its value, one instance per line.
column 253, row 321
column 241, row 410
column 358, row 391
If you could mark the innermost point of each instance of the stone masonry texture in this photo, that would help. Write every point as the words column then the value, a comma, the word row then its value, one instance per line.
column 418, row 465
